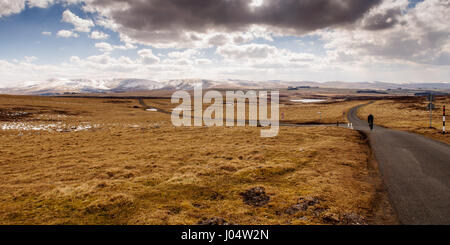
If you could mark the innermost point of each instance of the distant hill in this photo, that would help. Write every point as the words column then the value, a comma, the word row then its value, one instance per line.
column 70, row 86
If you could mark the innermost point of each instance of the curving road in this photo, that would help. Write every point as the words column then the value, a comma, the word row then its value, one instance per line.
column 415, row 170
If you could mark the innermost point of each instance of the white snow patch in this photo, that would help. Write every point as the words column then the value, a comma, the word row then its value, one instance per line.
column 59, row 127
column 308, row 100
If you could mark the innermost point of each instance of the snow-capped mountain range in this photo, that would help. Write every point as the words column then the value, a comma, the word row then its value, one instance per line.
column 60, row 86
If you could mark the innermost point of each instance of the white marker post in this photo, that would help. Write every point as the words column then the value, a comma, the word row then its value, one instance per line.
column 443, row 121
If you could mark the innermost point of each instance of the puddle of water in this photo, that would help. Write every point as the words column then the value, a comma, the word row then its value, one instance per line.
column 181, row 109
column 308, row 100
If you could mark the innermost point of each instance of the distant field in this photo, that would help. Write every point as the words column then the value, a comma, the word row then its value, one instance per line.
column 316, row 113
column 327, row 112
column 410, row 114
column 108, row 161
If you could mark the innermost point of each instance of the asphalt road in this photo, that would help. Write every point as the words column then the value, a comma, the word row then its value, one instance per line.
column 415, row 170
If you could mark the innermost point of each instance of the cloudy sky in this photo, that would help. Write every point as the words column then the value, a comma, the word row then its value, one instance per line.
column 314, row 40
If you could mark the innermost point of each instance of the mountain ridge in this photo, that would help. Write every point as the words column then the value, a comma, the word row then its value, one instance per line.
column 61, row 86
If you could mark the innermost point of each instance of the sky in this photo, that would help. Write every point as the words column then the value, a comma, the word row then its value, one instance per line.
column 291, row 40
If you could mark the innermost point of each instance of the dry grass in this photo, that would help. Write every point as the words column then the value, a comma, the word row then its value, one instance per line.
column 136, row 168
column 308, row 112
column 293, row 112
column 409, row 115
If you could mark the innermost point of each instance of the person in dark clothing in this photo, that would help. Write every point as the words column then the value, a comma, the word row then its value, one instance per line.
column 370, row 120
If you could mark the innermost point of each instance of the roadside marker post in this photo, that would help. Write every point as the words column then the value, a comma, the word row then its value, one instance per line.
column 443, row 121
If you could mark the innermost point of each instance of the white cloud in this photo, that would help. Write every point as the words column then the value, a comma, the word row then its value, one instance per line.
column 67, row 34
column 46, row 33
column 98, row 35
column 256, row 3
column 260, row 59
column 75, row 59
column 187, row 54
column 81, row 25
column 104, row 47
column 103, row 59
column 203, row 62
column 40, row 3
column 106, row 22
column 185, row 58
column 9, row 7
column 247, row 51
column 147, row 57
column 181, row 62
column 219, row 40
column 419, row 35
column 127, row 46
column 30, row 59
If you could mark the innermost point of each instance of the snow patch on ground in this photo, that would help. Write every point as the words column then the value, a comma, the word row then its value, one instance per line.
column 58, row 127
column 308, row 100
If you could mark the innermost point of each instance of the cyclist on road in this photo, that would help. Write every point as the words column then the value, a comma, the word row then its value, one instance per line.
column 370, row 120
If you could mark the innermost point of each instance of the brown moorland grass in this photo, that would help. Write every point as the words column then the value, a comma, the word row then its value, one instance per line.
column 409, row 114
column 136, row 168
column 330, row 112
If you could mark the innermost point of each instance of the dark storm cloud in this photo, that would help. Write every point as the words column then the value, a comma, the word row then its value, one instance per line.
column 195, row 15
column 233, row 15
column 382, row 20
column 312, row 14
